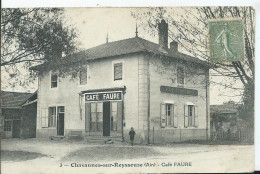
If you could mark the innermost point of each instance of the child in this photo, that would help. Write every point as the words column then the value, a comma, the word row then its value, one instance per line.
column 132, row 135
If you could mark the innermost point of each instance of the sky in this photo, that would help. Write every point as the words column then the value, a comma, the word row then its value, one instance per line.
column 93, row 26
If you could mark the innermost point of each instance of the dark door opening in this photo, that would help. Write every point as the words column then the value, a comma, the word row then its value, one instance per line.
column 16, row 128
column 106, row 119
column 60, row 126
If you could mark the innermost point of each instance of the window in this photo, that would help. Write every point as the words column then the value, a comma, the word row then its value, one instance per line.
column 83, row 77
column 52, row 117
column 169, row 114
column 190, row 115
column 54, row 81
column 8, row 126
column 180, row 75
column 96, row 117
column 114, row 116
column 118, row 71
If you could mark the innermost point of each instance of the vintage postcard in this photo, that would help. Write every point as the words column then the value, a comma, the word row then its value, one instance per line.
column 127, row 90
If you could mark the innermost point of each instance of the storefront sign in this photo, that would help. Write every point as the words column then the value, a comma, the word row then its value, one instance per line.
column 106, row 96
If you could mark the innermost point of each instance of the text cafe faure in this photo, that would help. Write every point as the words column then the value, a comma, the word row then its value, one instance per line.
column 104, row 96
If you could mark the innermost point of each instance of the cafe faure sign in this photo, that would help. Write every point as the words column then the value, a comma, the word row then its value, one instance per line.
column 104, row 96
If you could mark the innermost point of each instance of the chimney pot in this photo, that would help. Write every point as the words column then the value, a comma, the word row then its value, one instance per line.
column 174, row 46
column 163, row 34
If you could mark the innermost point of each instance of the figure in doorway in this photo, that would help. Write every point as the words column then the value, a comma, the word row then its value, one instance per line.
column 132, row 136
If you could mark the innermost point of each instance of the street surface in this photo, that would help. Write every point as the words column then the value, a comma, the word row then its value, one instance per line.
column 46, row 156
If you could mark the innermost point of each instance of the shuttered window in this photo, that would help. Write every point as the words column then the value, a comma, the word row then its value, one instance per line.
column 54, row 81
column 52, row 117
column 118, row 71
column 83, row 77
column 169, row 117
column 190, row 116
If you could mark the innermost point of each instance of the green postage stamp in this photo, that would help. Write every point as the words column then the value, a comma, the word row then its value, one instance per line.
column 226, row 41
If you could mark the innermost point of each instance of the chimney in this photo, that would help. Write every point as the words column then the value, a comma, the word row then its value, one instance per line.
column 163, row 34
column 174, row 46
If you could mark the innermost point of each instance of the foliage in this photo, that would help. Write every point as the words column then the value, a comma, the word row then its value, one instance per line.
column 32, row 36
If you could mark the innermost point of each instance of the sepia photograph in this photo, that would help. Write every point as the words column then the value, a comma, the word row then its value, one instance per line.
column 128, row 90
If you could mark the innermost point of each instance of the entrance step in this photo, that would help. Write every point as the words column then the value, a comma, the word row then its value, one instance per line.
column 103, row 140
column 56, row 137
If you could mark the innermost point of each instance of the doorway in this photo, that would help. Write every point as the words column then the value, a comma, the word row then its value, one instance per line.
column 16, row 128
column 106, row 119
column 60, row 126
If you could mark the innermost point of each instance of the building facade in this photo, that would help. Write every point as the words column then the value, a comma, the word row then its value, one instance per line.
column 19, row 112
column 162, row 93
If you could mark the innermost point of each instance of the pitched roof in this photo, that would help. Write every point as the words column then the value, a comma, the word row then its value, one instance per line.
column 225, row 108
column 124, row 47
column 13, row 99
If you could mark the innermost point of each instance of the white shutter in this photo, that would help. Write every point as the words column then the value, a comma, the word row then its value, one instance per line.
column 196, row 120
column 163, row 115
column 44, row 117
column 175, row 116
column 186, row 117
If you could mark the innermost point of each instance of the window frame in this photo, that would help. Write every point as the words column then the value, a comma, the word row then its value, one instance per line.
column 54, row 74
column 122, row 70
column 54, row 124
column 169, row 118
column 10, row 121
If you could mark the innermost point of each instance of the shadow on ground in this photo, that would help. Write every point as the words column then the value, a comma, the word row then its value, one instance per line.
column 110, row 152
column 19, row 155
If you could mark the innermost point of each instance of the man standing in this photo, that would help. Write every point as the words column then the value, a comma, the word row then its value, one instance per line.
column 132, row 135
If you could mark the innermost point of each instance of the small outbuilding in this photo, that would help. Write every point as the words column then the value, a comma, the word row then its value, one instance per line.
column 18, row 115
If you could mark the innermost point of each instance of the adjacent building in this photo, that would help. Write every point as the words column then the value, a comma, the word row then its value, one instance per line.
column 160, row 92
column 19, row 112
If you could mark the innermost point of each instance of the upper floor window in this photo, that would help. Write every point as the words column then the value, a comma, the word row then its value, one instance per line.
column 83, row 77
column 180, row 76
column 54, row 81
column 118, row 71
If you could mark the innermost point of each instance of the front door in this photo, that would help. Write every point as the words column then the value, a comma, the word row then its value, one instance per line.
column 16, row 128
column 60, row 127
column 106, row 119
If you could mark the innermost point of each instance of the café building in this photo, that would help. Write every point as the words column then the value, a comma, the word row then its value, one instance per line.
column 159, row 91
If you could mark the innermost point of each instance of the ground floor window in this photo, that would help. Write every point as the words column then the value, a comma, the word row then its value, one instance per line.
column 169, row 116
column 7, row 125
column 52, row 117
column 191, row 116
column 114, row 116
column 96, row 116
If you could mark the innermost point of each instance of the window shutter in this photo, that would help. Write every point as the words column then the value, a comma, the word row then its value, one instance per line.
column 83, row 77
column 87, row 116
column 175, row 116
column 186, row 117
column 119, row 116
column 118, row 71
column 163, row 116
column 44, row 117
column 196, row 116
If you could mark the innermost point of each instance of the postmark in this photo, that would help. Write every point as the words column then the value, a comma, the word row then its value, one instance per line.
column 226, row 41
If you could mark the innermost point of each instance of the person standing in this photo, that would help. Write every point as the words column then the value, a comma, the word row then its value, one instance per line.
column 132, row 135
